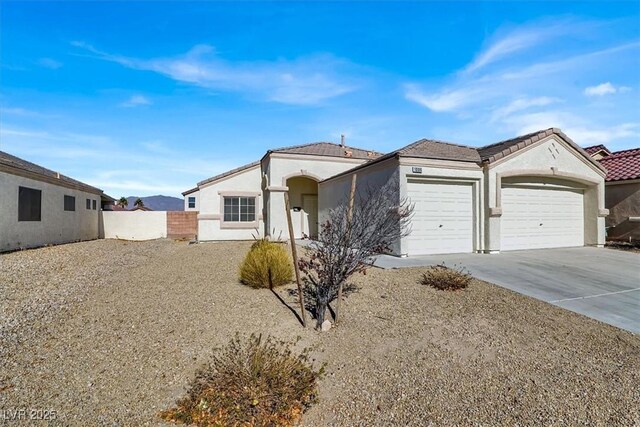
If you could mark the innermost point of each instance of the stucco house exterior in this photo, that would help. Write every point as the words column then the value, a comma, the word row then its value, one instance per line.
column 539, row 190
column 41, row 207
column 248, row 201
column 622, row 195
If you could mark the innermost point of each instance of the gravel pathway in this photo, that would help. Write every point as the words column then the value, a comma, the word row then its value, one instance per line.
column 110, row 332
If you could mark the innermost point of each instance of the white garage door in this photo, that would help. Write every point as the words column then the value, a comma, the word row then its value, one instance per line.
column 442, row 220
column 534, row 218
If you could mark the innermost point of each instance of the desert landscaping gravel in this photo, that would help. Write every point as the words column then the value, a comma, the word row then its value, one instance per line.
column 110, row 333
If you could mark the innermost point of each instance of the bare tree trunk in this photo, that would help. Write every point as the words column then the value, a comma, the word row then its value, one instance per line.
column 295, row 259
column 321, row 308
column 352, row 196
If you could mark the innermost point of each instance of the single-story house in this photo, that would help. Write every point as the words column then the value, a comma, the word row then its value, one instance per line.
column 622, row 194
column 41, row 207
column 539, row 190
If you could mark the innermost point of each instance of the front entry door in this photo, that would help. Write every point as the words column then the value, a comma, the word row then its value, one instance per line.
column 310, row 215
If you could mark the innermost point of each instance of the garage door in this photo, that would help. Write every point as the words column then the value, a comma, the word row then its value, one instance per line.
column 534, row 218
column 442, row 220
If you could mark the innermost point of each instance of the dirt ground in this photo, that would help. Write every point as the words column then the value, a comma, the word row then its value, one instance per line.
column 110, row 333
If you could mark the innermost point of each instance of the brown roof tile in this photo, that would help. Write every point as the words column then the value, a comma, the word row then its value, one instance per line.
column 329, row 149
column 491, row 153
column 432, row 149
column 18, row 163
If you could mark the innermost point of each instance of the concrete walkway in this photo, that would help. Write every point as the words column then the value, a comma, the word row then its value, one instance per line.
column 603, row 284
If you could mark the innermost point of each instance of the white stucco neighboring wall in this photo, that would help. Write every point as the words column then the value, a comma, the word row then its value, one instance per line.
column 210, row 205
column 135, row 225
column 56, row 225
column 280, row 167
column 554, row 160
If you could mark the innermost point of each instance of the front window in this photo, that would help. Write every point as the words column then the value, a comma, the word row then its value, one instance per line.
column 239, row 209
column 192, row 202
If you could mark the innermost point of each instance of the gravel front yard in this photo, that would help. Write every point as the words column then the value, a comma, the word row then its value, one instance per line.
column 111, row 332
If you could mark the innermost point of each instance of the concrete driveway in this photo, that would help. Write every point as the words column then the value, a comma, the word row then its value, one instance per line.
column 603, row 284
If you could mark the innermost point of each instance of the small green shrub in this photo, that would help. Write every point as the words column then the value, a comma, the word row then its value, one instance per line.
column 266, row 258
column 445, row 278
column 251, row 382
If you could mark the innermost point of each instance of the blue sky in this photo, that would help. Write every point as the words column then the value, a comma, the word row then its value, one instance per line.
column 151, row 97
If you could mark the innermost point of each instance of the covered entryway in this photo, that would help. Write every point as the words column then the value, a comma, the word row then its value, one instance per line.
column 541, row 216
column 443, row 217
column 303, row 198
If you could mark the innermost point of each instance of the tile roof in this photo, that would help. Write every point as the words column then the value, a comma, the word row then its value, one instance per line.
column 432, row 149
column 491, row 153
column 425, row 149
column 225, row 174
column 329, row 149
column 595, row 148
column 190, row 191
column 48, row 175
column 622, row 165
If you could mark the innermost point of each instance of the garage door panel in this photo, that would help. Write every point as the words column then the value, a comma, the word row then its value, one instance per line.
column 536, row 218
column 442, row 221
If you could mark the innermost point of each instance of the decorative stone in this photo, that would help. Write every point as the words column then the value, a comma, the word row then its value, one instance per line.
column 326, row 325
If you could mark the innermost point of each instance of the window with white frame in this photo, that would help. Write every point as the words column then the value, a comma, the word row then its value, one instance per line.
column 239, row 209
column 192, row 202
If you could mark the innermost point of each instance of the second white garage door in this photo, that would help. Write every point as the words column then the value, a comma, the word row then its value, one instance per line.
column 442, row 220
column 536, row 218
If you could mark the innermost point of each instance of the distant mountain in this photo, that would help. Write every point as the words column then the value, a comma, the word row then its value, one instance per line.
column 158, row 203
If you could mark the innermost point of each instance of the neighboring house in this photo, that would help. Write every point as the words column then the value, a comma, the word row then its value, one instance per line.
column 142, row 208
column 539, row 190
column 622, row 195
column 41, row 207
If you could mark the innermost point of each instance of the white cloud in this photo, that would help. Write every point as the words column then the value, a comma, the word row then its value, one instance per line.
column 446, row 100
column 50, row 63
column 521, row 104
column 508, row 42
column 605, row 89
column 304, row 81
column 135, row 101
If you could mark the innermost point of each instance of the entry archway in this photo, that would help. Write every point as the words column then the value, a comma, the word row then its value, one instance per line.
column 303, row 200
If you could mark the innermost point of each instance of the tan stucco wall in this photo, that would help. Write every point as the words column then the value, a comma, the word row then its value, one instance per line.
column 553, row 158
column 335, row 192
column 57, row 225
column 209, row 202
column 134, row 225
column 623, row 201
column 279, row 167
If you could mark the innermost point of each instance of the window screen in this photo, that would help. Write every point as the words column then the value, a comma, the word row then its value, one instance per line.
column 29, row 204
column 192, row 202
column 69, row 203
column 94, row 205
column 88, row 203
column 240, row 209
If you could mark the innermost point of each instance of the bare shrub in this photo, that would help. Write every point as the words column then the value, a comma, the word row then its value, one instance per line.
column 349, row 240
column 252, row 382
column 267, row 264
column 446, row 279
